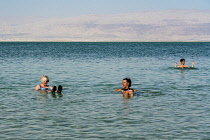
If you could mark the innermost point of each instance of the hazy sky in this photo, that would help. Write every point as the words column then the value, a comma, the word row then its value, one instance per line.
column 64, row 8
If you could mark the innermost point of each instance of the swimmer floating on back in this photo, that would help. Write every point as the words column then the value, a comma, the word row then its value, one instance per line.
column 43, row 86
column 126, row 90
column 182, row 61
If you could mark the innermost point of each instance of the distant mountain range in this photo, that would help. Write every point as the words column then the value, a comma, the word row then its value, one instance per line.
column 171, row 25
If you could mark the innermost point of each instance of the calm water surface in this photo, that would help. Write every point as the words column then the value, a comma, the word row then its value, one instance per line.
column 170, row 103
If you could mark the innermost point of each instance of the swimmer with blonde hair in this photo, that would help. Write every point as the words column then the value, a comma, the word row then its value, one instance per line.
column 44, row 85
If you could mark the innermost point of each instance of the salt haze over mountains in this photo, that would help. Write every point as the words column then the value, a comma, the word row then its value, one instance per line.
column 171, row 25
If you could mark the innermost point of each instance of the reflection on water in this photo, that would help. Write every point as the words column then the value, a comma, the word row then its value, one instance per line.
column 127, row 107
column 58, row 95
column 127, row 96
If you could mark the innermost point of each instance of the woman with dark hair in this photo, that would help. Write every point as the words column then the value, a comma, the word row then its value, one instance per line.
column 126, row 83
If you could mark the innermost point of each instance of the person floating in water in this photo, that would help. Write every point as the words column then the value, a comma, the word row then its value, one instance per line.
column 182, row 61
column 126, row 90
column 43, row 86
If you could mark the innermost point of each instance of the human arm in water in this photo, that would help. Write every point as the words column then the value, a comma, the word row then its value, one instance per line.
column 182, row 61
column 132, row 90
column 120, row 89
column 184, row 66
column 38, row 88
column 193, row 64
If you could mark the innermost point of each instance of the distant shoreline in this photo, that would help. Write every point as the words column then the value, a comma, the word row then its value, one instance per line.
column 153, row 26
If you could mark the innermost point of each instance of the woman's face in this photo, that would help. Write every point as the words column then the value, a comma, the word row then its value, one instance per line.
column 45, row 81
column 125, row 83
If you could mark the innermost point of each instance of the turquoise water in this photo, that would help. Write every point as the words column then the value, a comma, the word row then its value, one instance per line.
column 170, row 103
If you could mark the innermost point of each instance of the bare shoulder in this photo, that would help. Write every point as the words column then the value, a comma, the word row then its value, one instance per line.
column 134, row 90
column 37, row 87
column 183, row 66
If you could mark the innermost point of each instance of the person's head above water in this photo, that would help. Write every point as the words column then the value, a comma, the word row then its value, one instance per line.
column 44, row 78
column 126, row 82
column 182, row 61
column 45, row 87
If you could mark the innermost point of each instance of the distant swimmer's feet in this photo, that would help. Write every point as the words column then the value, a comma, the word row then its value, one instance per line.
column 54, row 89
column 59, row 88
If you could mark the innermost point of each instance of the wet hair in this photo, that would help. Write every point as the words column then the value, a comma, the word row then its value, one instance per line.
column 128, row 80
column 44, row 78
column 182, row 60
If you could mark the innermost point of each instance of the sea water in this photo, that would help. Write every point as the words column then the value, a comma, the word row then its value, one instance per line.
column 170, row 103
